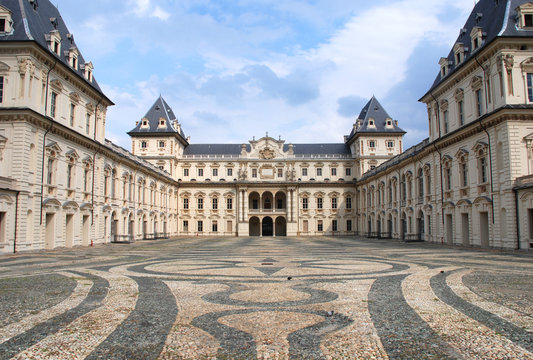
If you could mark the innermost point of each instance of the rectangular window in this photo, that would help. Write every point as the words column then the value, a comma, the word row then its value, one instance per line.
column 254, row 173
column 348, row 225
column 229, row 226
column 483, row 170
column 70, row 168
column 348, row 203
column 72, row 112
column 229, row 203
column 87, row 123
column 50, row 173
column 371, row 144
column 86, row 180
column 2, row 25
column 214, row 226
column 464, row 170
column 1, row 89
column 161, row 144
column 529, row 87
column 185, row 203
column 200, row 203
column 200, row 172
column 200, row 226
column 479, row 103
column 185, row 172
column 215, row 203
column 334, row 225
column 448, row 178
column 320, row 226
column 333, row 171
column 461, row 111
column 215, row 172
column 446, row 121
column 390, row 144
column 528, row 20
column 53, row 104
column 230, row 172
column 319, row 203
column 185, row 225
column 280, row 173
column 304, row 171
column 318, row 171
column 305, row 203
column 348, row 171
column 334, row 203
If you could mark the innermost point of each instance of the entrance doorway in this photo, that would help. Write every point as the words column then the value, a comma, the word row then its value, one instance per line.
column 281, row 226
column 254, row 226
column 267, row 227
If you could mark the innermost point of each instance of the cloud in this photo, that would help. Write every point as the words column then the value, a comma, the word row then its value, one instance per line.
column 283, row 71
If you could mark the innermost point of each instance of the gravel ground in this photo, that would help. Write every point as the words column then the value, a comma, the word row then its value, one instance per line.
column 267, row 298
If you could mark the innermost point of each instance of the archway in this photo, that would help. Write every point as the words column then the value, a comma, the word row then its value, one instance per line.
column 267, row 227
column 267, row 200
column 280, row 200
column 254, row 200
column 254, row 226
column 281, row 226
column 389, row 226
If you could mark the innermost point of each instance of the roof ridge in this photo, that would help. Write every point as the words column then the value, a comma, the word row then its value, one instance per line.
column 25, row 20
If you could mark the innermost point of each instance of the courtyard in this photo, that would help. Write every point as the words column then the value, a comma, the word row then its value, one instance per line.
column 267, row 298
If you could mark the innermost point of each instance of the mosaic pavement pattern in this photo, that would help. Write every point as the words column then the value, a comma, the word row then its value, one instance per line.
column 267, row 298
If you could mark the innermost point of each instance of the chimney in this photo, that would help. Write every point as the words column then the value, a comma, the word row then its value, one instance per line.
column 177, row 126
column 396, row 122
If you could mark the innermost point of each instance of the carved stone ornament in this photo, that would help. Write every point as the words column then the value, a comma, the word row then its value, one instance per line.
column 266, row 153
column 508, row 60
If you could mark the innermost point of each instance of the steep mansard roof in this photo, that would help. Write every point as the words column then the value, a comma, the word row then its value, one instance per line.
column 159, row 110
column 497, row 19
column 299, row 149
column 373, row 110
column 32, row 24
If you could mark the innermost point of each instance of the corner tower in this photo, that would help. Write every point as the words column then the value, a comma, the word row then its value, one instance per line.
column 158, row 137
column 375, row 137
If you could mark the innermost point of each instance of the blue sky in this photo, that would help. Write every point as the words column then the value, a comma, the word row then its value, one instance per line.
column 232, row 70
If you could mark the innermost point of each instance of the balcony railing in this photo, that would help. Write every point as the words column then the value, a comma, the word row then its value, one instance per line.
column 261, row 211
column 122, row 239
column 156, row 236
column 413, row 237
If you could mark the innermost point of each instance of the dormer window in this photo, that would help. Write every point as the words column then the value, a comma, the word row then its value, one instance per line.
column 73, row 58
column 144, row 123
column 389, row 123
column 443, row 66
column 371, row 122
column 477, row 37
column 525, row 15
column 88, row 67
column 6, row 23
column 459, row 52
column 54, row 41
column 162, row 123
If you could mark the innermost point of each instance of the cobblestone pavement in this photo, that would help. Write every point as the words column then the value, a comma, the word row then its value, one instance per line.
column 267, row 298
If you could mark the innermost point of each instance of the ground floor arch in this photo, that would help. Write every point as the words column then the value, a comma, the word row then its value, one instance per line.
column 281, row 226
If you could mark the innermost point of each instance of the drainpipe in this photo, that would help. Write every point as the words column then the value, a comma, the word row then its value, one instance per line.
column 44, row 138
column 92, row 188
column 488, row 136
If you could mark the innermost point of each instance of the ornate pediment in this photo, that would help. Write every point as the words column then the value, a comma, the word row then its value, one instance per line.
column 266, row 148
column 267, row 153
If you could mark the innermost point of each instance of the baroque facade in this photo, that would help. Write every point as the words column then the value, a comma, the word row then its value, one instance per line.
column 469, row 183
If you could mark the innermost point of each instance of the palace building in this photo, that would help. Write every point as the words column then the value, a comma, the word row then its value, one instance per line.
column 62, row 184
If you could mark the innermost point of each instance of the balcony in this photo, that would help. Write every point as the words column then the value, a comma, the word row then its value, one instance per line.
column 267, row 211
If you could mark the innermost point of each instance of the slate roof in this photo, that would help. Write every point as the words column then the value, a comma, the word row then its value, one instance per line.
column 299, row 149
column 138, row 160
column 497, row 18
column 374, row 110
column 31, row 24
column 160, row 109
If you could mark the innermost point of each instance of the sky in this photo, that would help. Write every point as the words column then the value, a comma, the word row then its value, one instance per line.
column 234, row 70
